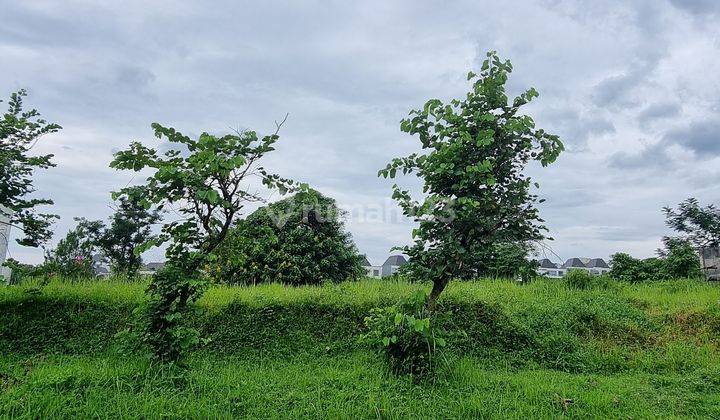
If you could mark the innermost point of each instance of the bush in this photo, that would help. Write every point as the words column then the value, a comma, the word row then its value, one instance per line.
column 299, row 240
column 578, row 279
column 405, row 335
column 681, row 260
column 677, row 260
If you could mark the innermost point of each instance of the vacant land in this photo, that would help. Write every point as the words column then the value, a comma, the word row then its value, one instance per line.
column 539, row 350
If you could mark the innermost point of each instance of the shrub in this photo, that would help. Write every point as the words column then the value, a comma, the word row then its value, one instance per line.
column 681, row 260
column 578, row 279
column 299, row 240
column 405, row 335
column 677, row 260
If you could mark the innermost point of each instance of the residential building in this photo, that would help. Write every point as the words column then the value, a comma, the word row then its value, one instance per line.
column 595, row 266
column 150, row 268
column 710, row 262
column 550, row 269
column 388, row 268
column 392, row 265
column 374, row 271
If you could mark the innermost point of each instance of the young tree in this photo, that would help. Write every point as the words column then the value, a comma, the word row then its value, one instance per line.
column 19, row 132
column 205, row 181
column 73, row 255
column 298, row 240
column 680, row 259
column 476, row 194
column 130, row 227
column 700, row 226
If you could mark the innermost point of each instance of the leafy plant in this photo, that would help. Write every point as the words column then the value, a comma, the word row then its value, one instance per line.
column 205, row 181
column 476, row 192
column 19, row 132
column 680, row 259
column 405, row 335
column 578, row 279
column 73, row 255
column 700, row 225
column 298, row 240
column 129, row 229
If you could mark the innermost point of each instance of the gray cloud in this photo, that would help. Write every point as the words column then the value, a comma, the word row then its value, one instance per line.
column 697, row 6
column 701, row 137
column 616, row 91
column 651, row 156
column 658, row 111
column 348, row 72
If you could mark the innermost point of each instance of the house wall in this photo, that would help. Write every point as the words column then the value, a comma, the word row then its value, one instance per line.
column 710, row 260
column 556, row 273
column 389, row 270
column 553, row 273
column 4, row 241
column 374, row 271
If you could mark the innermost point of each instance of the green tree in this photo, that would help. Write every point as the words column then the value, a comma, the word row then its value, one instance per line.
column 298, row 240
column 699, row 225
column 476, row 193
column 73, row 256
column 507, row 260
column 204, row 181
column 19, row 132
column 680, row 259
column 130, row 228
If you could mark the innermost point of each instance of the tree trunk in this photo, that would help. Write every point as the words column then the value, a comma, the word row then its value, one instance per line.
column 438, row 287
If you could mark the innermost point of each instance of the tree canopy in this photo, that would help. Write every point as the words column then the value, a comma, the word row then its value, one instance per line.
column 298, row 240
column 699, row 225
column 129, row 229
column 476, row 193
column 205, row 181
column 20, row 131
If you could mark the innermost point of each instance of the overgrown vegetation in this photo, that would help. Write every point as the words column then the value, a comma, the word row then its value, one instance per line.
column 615, row 350
column 406, row 336
column 679, row 259
column 298, row 240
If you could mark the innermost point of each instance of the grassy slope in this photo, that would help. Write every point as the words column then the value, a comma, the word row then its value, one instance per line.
column 618, row 351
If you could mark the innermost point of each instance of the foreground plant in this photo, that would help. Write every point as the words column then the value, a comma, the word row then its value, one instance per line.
column 206, row 182
column 405, row 336
column 476, row 194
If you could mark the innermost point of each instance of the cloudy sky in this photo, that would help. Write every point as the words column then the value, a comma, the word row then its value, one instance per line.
column 632, row 87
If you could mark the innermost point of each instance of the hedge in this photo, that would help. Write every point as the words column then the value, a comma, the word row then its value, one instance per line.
column 542, row 324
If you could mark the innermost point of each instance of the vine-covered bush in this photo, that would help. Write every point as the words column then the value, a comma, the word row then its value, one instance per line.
column 405, row 335
column 298, row 240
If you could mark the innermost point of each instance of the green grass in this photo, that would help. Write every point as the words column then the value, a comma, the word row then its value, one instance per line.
column 353, row 386
column 615, row 350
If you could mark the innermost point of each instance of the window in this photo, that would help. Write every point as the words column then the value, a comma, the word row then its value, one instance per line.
column 376, row 273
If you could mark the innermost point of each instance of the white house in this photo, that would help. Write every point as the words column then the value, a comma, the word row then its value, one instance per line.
column 4, row 241
column 388, row 268
column 710, row 261
column 151, row 268
column 595, row 266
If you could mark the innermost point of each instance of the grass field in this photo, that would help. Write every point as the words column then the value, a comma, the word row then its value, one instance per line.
column 540, row 350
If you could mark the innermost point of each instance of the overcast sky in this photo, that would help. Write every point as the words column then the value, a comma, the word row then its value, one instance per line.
column 632, row 88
